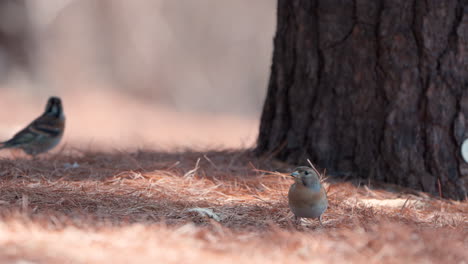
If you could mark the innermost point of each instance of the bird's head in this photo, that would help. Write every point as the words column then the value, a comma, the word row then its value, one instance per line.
column 54, row 107
column 307, row 177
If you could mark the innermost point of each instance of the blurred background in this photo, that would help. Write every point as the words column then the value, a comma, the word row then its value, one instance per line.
column 142, row 73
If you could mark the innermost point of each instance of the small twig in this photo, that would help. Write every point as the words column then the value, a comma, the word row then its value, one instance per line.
column 173, row 165
column 251, row 165
column 264, row 186
column 321, row 175
column 276, row 151
column 24, row 202
column 211, row 162
column 371, row 192
column 440, row 187
column 192, row 172
column 265, row 201
column 269, row 172
column 404, row 205
column 313, row 167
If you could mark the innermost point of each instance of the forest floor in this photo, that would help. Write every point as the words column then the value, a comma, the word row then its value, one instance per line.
column 108, row 202
column 208, row 207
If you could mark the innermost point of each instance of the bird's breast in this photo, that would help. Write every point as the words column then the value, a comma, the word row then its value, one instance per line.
column 305, row 202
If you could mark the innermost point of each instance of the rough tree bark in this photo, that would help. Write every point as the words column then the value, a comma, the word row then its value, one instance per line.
column 372, row 89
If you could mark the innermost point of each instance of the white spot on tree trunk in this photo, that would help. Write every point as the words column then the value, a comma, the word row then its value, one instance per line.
column 464, row 150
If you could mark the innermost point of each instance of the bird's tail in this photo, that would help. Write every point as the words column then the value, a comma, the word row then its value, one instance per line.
column 3, row 145
column 8, row 144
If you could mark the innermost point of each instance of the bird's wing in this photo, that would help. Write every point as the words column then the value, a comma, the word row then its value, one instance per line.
column 47, row 126
column 43, row 126
column 25, row 136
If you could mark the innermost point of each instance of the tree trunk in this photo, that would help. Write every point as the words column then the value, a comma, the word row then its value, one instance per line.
column 372, row 89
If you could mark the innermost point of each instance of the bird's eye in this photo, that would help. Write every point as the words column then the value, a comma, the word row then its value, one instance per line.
column 306, row 172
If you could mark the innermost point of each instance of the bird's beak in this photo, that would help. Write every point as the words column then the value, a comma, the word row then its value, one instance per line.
column 295, row 174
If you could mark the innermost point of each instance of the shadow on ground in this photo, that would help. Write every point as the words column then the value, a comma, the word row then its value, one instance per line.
column 244, row 192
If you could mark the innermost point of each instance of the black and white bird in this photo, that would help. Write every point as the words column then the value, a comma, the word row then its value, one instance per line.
column 42, row 134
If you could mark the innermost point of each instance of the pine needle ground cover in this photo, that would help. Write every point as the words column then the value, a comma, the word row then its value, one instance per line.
column 83, row 206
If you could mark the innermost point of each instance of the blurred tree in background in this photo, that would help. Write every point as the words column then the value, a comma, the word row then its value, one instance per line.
column 372, row 89
column 181, row 54
column 15, row 37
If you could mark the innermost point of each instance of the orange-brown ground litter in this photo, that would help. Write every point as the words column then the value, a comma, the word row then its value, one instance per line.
column 152, row 207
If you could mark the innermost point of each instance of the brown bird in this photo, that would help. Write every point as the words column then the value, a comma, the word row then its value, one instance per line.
column 42, row 134
column 307, row 197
